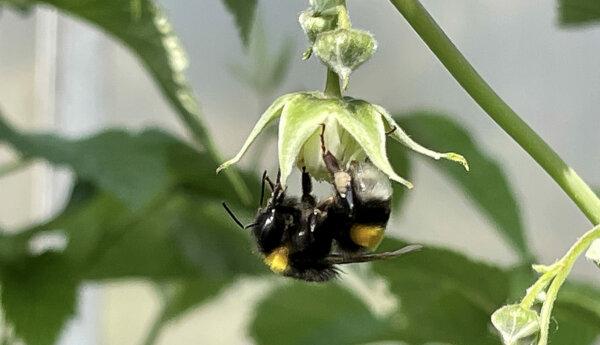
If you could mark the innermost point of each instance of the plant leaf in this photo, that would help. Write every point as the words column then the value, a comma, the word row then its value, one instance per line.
column 38, row 297
column 244, row 12
column 179, row 232
column 272, row 113
column 454, row 294
column 486, row 184
column 328, row 314
column 365, row 124
column 578, row 12
column 264, row 71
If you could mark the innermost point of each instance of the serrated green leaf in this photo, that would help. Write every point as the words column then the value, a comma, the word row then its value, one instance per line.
column 486, row 184
column 579, row 12
column 272, row 113
column 365, row 124
column 244, row 12
column 38, row 297
column 301, row 118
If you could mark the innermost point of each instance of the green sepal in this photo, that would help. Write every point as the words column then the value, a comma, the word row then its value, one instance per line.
column 398, row 134
column 366, row 125
column 301, row 118
column 273, row 112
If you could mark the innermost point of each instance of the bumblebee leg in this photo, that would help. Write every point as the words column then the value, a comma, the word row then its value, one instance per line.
column 391, row 130
column 306, row 183
column 341, row 179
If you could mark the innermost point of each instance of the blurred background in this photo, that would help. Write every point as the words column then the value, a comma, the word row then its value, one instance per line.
column 57, row 73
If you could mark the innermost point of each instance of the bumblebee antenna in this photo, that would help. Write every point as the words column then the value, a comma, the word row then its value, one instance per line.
column 336, row 259
column 232, row 215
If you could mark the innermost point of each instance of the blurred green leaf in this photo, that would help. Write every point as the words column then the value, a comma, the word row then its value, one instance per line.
column 305, row 314
column 132, row 167
column 243, row 11
column 38, row 297
column 486, row 184
column 185, row 237
column 579, row 12
column 583, row 300
column 136, row 168
column 264, row 71
column 444, row 297
column 145, row 206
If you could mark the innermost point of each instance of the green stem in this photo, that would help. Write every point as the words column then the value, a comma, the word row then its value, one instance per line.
column 565, row 264
column 539, row 286
column 426, row 27
column 332, row 85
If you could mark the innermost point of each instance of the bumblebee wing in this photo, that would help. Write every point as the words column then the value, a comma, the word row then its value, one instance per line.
column 337, row 259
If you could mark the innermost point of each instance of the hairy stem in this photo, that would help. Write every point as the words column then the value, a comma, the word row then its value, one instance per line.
column 560, row 276
column 539, row 286
column 332, row 85
column 426, row 27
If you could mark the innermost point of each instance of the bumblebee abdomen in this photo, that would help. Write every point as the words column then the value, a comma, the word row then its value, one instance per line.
column 367, row 236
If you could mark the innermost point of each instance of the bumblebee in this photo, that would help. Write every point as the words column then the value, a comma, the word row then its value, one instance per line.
column 305, row 239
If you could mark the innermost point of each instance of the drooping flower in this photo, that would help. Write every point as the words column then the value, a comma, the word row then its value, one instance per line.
column 352, row 130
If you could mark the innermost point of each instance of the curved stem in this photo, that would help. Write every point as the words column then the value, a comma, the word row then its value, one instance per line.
column 426, row 27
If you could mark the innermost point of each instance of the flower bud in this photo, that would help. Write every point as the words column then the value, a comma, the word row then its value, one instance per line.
column 344, row 50
column 517, row 325
column 314, row 25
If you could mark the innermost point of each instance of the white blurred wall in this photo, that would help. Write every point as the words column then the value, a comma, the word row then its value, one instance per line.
column 550, row 76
